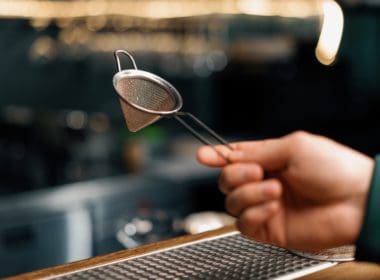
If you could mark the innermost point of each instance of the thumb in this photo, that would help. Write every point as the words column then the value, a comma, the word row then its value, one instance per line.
column 271, row 154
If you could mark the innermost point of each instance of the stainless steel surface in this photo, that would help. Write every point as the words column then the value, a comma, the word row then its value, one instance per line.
column 225, row 257
column 337, row 254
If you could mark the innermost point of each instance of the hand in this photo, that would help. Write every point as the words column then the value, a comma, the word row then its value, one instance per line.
column 312, row 196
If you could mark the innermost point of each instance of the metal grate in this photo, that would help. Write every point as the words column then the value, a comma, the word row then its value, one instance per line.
column 228, row 257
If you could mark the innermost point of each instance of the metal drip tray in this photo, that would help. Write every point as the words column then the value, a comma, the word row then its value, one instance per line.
column 229, row 256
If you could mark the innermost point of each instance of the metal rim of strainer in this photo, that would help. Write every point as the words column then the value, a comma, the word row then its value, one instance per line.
column 158, row 81
column 329, row 254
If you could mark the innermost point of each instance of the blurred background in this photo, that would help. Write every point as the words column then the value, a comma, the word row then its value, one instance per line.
column 75, row 183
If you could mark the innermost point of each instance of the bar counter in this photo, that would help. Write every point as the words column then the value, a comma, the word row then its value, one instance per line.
column 347, row 270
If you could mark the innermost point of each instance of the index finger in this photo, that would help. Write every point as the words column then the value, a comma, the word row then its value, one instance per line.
column 207, row 155
column 271, row 154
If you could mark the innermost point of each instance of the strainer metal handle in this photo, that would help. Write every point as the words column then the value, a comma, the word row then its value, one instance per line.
column 117, row 52
column 204, row 126
column 205, row 141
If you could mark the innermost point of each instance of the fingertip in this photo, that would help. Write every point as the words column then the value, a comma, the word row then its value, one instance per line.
column 201, row 154
column 251, row 222
column 207, row 155
column 259, row 214
column 204, row 153
column 272, row 189
column 272, row 207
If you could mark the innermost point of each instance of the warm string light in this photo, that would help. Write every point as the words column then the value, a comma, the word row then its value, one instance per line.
column 288, row 8
column 121, row 15
column 157, row 9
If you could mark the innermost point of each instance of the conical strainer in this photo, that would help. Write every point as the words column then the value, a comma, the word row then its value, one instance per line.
column 145, row 98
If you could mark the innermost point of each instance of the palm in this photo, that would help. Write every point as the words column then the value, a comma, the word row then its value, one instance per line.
column 302, row 219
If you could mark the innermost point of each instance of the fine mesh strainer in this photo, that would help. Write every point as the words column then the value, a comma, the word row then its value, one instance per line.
column 145, row 98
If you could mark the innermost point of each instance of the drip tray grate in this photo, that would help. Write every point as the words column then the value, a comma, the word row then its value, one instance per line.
column 225, row 257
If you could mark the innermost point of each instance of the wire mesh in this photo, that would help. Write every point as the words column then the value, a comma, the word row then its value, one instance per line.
column 228, row 257
column 145, row 94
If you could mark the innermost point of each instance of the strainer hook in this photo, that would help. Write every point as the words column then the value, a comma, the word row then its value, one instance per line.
column 117, row 52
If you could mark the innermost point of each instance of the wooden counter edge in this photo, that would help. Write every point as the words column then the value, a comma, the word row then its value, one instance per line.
column 119, row 255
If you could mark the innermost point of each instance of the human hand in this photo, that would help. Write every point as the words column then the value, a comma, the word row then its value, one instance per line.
column 312, row 197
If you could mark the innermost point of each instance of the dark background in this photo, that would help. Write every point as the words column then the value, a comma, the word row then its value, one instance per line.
column 71, row 173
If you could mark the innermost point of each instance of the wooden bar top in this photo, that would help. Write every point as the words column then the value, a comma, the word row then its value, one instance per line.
column 348, row 270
